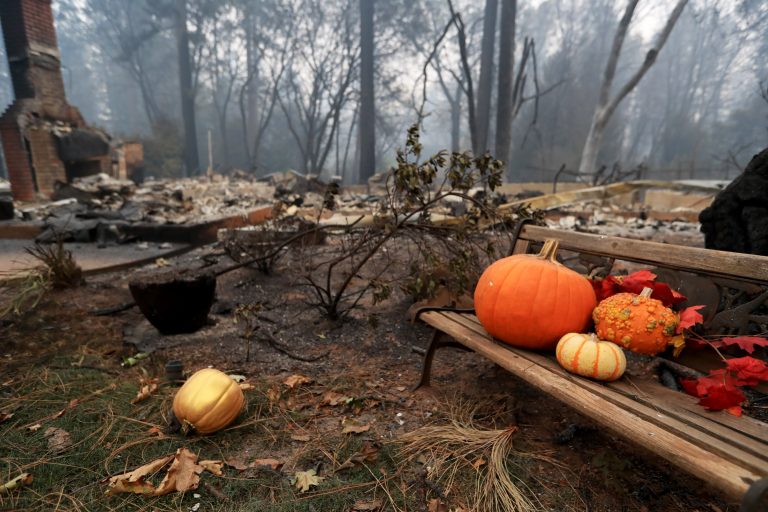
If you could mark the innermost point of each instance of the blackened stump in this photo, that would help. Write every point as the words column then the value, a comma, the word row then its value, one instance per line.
column 737, row 220
column 175, row 302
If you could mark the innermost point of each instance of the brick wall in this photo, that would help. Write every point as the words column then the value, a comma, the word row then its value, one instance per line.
column 30, row 41
column 45, row 159
column 31, row 152
column 14, row 31
column 38, row 20
column 16, row 159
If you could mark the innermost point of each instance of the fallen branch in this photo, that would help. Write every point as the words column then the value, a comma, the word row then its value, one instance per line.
column 273, row 342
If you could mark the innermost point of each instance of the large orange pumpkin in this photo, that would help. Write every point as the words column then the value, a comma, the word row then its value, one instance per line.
column 531, row 301
column 209, row 401
column 636, row 322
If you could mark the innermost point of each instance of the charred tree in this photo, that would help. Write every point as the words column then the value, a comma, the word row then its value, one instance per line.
column 737, row 220
column 485, row 83
column 191, row 157
column 606, row 104
column 506, row 71
column 367, row 123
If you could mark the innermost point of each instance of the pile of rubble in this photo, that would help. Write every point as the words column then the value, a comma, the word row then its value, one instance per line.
column 98, row 208
column 612, row 220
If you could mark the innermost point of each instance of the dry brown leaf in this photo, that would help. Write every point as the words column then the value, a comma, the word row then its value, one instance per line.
column 364, row 506
column 352, row 427
column 369, row 453
column 300, row 437
column 133, row 481
column 333, row 398
column 138, row 487
column 213, row 466
column 35, row 427
column 266, row 463
column 236, row 463
column 296, row 380
column 245, row 386
column 155, row 431
column 273, row 395
column 15, row 483
column 306, row 479
column 147, row 388
column 479, row 462
column 58, row 439
column 435, row 505
column 5, row 416
column 183, row 475
column 71, row 405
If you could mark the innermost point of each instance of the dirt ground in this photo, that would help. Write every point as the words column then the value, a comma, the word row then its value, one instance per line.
column 369, row 358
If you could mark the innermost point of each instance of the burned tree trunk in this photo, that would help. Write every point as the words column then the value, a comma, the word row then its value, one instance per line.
column 606, row 105
column 506, row 77
column 737, row 220
column 485, row 85
column 191, row 157
column 367, row 106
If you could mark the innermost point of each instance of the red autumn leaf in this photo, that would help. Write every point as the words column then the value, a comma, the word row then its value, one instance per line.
column 719, row 398
column 636, row 281
column 749, row 371
column 735, row 410
column 668, row 296
column 678, row 297
column 689, row 317
column 746, row 343
column 715, row 392
column 604, row 288
column 690, row 386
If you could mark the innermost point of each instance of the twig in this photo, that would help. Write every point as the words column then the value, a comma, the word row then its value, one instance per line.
column 274, row 343
column 112, row 310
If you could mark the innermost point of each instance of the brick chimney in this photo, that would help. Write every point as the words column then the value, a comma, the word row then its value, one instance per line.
column 35, row 124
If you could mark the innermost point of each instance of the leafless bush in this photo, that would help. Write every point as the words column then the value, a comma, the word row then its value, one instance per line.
column 456, row 249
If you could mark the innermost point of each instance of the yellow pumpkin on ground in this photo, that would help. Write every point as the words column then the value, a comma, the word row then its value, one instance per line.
column 636, row 322
column 588, row 356
column 209, row 401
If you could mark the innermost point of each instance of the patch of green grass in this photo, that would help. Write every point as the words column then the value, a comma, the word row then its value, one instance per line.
column 110, row 435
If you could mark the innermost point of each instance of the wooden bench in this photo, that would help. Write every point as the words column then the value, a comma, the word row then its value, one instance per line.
column 728, row 452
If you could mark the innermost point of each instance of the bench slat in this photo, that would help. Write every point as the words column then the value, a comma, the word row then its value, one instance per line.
column 720, row 263
column 720, row 423
column 732, row 478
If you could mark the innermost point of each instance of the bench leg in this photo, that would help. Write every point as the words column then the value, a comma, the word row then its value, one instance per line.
column 756, row 497
column 439, row 340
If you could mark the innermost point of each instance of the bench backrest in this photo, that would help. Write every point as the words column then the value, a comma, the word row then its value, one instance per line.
column 733, row 286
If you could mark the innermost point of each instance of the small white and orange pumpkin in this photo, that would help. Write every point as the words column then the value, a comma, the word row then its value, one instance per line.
column 588, row 356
